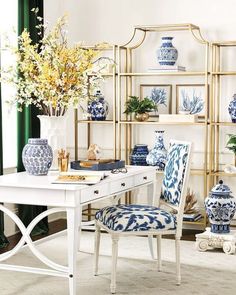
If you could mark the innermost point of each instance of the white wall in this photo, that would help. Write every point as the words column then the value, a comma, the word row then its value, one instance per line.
column 112, row 21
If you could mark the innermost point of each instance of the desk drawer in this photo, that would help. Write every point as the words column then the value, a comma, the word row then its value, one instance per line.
column 122, row 184
column 94, row 192
column 143, row 178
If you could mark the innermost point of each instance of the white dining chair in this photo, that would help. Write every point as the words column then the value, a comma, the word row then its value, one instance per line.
column 125, row 220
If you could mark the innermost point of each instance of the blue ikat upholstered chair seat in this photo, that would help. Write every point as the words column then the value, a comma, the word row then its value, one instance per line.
column 148, row 220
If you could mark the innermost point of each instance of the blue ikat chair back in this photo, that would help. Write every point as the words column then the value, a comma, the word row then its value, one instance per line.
column 175, row 172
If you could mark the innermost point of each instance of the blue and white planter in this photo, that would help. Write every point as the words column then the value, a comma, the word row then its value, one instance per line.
column 232, row 109
column 220, row 208
column 37, row 156
column 167, row 54
column 98, row 108
column 139, row 154
column 158, row 155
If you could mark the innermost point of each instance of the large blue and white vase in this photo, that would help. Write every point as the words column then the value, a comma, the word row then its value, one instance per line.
column 232, row 109
column 167, row 54
column 98, row 108
column 139, row 154
column 37, row 156
column 220, row 207
column 158, row 155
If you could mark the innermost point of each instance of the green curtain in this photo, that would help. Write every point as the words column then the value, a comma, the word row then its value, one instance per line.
column 3, row 240
column 27, row 121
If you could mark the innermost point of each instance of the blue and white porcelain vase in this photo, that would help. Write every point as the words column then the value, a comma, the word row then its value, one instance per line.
column 139, row 154
column 232, row 109
column 220, row 208
column 98, row 108
column 167, row 54
column 158, row 155
column 37, row 156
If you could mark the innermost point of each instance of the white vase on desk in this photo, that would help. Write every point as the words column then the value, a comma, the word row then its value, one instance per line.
column 53, row 128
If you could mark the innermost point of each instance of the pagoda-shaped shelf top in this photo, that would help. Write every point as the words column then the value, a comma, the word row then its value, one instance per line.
column 166, row 27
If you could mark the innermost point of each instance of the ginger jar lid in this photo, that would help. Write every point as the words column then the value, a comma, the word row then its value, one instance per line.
column 221, row 189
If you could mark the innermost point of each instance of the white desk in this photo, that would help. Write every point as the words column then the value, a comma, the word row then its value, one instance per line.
column 21, row 188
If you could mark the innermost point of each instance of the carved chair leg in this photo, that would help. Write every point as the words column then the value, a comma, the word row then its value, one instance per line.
column 115, row 239
column 177, row 253
column 96, row 247
column 159, row 252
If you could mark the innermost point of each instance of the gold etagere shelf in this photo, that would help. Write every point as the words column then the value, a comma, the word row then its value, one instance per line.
column 126, row 76
column 217, row 73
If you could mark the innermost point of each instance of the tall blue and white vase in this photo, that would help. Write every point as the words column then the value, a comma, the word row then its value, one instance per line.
column 232, row 109
column 98, row 108
column 220, row 207
column 37, row 156
column 167, row 54
column 158, row 155
column 139, row 154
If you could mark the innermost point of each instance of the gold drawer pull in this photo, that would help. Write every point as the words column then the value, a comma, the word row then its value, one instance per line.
column 123, row 184
column 144, row 177
column 96, row 192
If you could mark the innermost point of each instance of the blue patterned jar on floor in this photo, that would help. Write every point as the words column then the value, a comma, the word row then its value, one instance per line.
column 37, row 156
column 167, row 54
column 232, row 109
column 220, row 208
column 158, row 155
column 139, row 154
column 98, row 108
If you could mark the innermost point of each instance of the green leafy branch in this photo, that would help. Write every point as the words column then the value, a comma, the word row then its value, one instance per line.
column 231, row 144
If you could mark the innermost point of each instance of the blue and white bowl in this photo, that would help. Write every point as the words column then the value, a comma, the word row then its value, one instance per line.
column 37, row 156
column 167, row 54
column 139, row 154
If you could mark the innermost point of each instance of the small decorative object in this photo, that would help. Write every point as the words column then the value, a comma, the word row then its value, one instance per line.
column 94, row 152
column 190, row 202
column 140, row 107
column 220, row 207
column 232, row 109
column 139, row 154
column 231, row 145
column 63, row 160
column 190, row 99
column 158, row 155
column 37, row 156
column 160, row 94
column 98, row 108
column 167, row 54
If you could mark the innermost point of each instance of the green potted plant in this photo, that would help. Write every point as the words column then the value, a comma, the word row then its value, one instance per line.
column 231, row 145
column 140, row 107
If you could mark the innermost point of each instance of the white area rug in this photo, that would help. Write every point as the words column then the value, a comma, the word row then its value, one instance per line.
column 208, row 273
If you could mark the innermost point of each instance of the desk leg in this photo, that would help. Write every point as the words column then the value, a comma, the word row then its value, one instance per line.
column 73, row 215
column 151, row 192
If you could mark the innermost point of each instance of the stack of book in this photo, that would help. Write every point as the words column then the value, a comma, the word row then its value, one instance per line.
column 192, row 217
column 167, row 69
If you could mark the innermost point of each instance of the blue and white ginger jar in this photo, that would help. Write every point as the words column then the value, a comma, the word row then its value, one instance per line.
column 98, row 108
column 220, row 208
column 139, row 154
column 37, row 156
column 167, row 54
column 158, row 155
column 232, row 109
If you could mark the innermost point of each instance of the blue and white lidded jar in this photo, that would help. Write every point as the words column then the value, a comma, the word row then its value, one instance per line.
column 220, row 208
column 37, row 156
column 158, row 155
column 232, row 109
column 167, row 54
column 98, row 108
column 139, row 154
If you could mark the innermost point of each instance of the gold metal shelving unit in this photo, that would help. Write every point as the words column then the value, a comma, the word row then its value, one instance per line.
column 217, row 73
column 125, row 80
